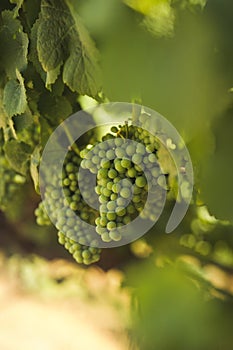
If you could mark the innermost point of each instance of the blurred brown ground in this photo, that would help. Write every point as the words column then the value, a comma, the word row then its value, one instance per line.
column 86, row 313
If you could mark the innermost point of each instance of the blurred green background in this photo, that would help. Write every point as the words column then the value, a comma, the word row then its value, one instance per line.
column 174, row 291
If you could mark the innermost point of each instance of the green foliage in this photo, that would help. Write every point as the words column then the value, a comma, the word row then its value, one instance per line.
column 47, row 59
column 67, row 44
column 13, row 44
column 3, row 116
column 159, row 15
column 175, row 313
column 220, row 164
column 11, row 184
column 18, row 155
column 14, row 96
column 54, row 108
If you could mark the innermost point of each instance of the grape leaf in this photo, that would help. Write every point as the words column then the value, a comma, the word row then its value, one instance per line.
column 55, row 22
column 31, row 11
column 81, row 71
column 52, row 76
column 62, row 39
column 33, row 54
column 19, row 4
column 13, row 44
column 14, row 96
column 5, row 5
column 18, row 154
column 23, row 122
column 54, row 108
column 58, row 87
column 3, row 115
column 45, row 131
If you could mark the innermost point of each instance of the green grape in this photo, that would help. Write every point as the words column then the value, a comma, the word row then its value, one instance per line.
column 126, row 219
column 103, row 208
column 119, row 168
column 152, row 158
column 125, row 192
column 111, row 206
column 107, row 137
column 102, row 173
column 101, row 154
column 66, row 182
column 111, row 225
column 130, row 150
column 98, row 189
column 136, row 199
column 42, row 218
column 130, row 209
column 84, row 152
column 96, row 159
column 112, row 173
column 110, row 185
column 100, row 230
column 120, row 211
column 126, row 183
column 105, row 237
column 140, row 150
column 132, row 173
column 103, row 199
column 11, row 185
column 113, row 196
column 106, row 192
column 140, row 181
column 111, row 216
column 103, row 221
column 82, row 254
column 69, row 167
column 121, row 202
column 110, row 154
column 115, row 236
column 117, row 179
column 120, row 152
column 118, row 141
column 114, row 129
column 126, row 163
column 116, row 188
column 105, row 163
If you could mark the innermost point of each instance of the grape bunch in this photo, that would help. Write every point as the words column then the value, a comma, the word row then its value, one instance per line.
column 122, row 186
column 11, row 183
column 42, row 218
column 128, row 183
column 71, row 232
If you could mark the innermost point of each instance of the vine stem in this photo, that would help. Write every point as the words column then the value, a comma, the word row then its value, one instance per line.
column 127, row 129
column 73, row 145
column 12, row 129
column 135, row 111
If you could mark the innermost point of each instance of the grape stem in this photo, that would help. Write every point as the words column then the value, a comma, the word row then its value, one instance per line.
column 127, row 129
column 136, row 111
column 73, row 145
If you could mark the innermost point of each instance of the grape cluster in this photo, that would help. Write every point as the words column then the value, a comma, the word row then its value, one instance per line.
column 81, row 253
column 122, row 186
column 128, row 183
column 72, row 233
column 11, row 183
column 42, row 218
